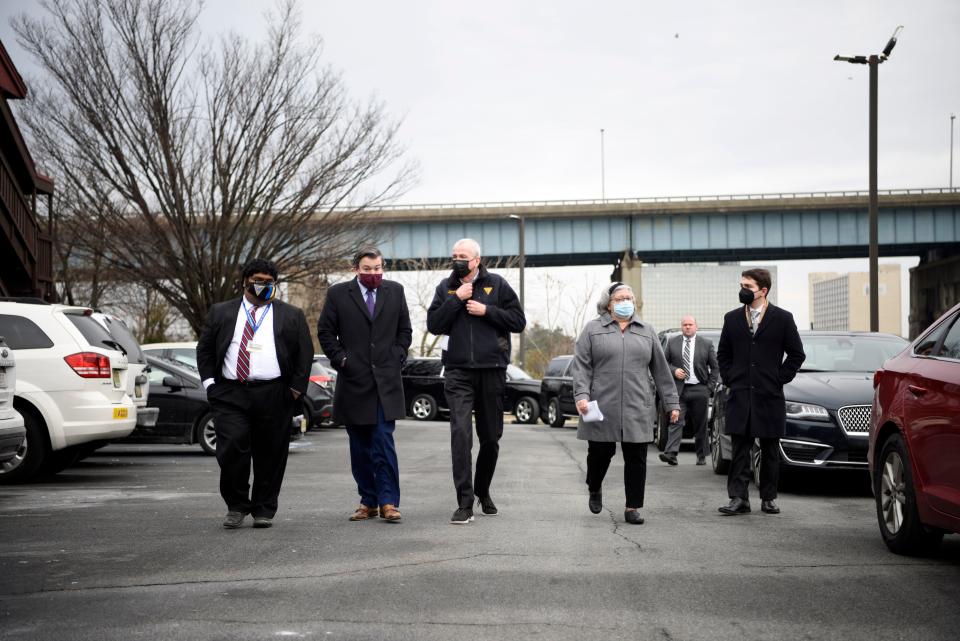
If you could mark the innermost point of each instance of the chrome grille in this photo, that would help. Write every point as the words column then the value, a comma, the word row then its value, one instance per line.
column 854, row 419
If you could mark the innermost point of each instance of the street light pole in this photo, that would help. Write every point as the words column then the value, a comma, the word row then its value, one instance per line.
column 874, row 62
column 523, row 259
column 952, row 118
column 603, row 173
column 874, row 202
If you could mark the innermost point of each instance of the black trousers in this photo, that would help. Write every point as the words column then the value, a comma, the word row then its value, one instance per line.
column 479, row 392
column 738, row 479
column 253, row 427
column 694, row 400
column 599, row 456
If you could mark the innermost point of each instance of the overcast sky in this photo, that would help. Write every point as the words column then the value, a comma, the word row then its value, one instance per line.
column 504, row 100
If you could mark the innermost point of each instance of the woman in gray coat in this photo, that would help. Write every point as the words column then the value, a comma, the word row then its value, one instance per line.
column 619, row 364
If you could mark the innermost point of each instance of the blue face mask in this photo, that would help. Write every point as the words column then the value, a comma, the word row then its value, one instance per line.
column 623, row 309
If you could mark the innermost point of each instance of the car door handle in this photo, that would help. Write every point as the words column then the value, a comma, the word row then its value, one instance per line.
column 918, row 391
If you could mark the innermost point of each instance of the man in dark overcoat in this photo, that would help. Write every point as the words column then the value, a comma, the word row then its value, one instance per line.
column 364, row 329
column 254, row 356
column 759, row 352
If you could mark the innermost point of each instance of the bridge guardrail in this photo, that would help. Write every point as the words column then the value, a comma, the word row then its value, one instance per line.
column 674, row 199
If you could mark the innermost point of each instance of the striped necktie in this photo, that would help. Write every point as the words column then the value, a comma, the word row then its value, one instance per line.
column 243, row 356
column 687, row 361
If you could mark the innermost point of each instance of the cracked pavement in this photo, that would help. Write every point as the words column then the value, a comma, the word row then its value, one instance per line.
column 145, row 557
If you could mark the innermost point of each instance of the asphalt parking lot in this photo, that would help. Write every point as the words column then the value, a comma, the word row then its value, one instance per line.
column 128, row 545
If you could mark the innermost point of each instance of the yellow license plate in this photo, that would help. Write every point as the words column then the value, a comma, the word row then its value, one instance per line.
column 137, row 391
column 120, row 412
column 116, row 378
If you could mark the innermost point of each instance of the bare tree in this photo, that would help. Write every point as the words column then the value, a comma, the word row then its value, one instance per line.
column 185, row 159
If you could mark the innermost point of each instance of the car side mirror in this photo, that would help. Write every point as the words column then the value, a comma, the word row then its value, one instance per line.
column 173, row 383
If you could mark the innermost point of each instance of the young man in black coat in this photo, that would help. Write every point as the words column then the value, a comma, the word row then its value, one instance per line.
column 365, row 330
column 753, row 343
column 254, row 357
column 476, row 311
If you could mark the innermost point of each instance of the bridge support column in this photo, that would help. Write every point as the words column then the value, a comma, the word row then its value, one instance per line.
column 628, row 271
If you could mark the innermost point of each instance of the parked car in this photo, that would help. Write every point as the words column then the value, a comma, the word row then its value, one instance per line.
column 183, row 352
column 663, row 420
column 185, row 415
column 318, row 404
column 138, row 386
column 828, row 404
column 12, row 431
column 423, row 391
column 71, row 385
column 914, row 452
column 556, row 392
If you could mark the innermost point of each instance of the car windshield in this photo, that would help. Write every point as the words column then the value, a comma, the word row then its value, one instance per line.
column 127, row 340
column 185, row 356
column 849, row 353
column 514, row 373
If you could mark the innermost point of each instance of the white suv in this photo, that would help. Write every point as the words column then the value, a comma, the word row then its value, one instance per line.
column 71, row 385
column 11, row 423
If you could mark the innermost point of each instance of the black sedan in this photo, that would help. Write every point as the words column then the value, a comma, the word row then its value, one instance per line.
column 828, row 404
column 423, row 391
column 185, row 415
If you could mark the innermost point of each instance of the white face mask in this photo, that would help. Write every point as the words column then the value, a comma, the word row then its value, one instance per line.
column 624, row 309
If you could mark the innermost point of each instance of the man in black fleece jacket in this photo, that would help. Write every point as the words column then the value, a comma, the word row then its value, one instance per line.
column 476, row 311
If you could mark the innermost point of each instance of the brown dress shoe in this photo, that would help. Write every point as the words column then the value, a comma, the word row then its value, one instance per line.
column 363, row 513
column 390, row 513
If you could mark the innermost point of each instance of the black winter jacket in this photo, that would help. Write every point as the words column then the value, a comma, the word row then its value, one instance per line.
column 476, row 341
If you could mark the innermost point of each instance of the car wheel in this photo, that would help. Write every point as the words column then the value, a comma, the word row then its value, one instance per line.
column 661, row 431
column 896, row 501
column 32, row 453
column 59, row 460
column 720, row 464
column 423, row 407
column 555, row 417
column 308, row 415
column 207, row 434
column 527, row 410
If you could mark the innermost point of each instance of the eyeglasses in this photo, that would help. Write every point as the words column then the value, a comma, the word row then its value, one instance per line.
column 621, row 300
column 367, row 269
column 260, row 281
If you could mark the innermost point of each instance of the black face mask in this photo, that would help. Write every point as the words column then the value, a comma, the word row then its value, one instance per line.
column 746, row 295
column 461, row 268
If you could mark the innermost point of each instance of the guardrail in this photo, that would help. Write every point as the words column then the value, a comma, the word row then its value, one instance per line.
column 673, row 199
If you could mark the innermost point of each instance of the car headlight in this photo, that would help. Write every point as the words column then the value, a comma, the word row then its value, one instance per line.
column 807, row 412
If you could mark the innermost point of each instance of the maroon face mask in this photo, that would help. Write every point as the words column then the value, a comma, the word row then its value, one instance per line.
column 370, row 281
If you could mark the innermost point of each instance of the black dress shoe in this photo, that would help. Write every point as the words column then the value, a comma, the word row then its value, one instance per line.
column 670, row 459
column 736, row 506
column 262, row 522
column 633, row 516
column 233, row 520
column 701, row 461
column 596, row 502
column 770, row 507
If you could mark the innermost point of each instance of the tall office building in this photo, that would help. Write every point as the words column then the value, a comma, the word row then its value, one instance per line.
column 705, row 290
column 841, row 302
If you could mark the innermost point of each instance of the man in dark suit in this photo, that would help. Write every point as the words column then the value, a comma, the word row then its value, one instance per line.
column 254, row 357
column 755, row 338
column 365, row 330
column 693, row 363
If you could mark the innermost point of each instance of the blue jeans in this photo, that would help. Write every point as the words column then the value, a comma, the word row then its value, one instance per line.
column 373, row 459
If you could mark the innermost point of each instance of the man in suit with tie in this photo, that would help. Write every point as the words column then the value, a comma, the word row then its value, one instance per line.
column 753, row 343
column 254, row 357
column 365, row 330
column 693, row 363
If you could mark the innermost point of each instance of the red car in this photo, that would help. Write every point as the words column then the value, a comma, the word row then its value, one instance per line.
column 914, row 450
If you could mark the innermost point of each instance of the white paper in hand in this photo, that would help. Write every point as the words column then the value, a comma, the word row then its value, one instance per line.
column 593, row 413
